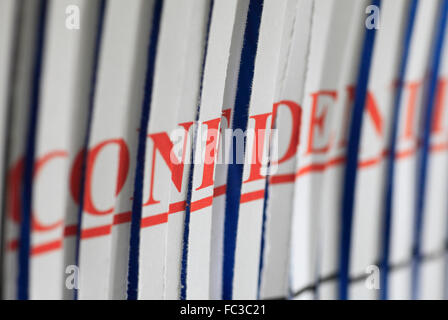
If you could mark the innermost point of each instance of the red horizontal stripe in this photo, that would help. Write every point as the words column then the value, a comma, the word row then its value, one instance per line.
column 46, row 247
column 154, row 220
column 219, row 191
column 70, row 230
column 12, row 245
column 252, row 196
column 96, row 232
column 439, row 147
column 122, row 217
column 201, row 204
column 177, row 207
column 373, row 161
column 370, row 162
column 317, row 167
column 282, row 178
column 405, row 153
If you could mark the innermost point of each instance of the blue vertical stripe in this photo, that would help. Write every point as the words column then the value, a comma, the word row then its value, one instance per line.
column 428, row 109
column 389, row 186
column 184, row 262
column 97, row 50
column 352, row 160
column 27, row 188
column 240, row 118
column 12, row 78
column 134, row 241
column 263, row 229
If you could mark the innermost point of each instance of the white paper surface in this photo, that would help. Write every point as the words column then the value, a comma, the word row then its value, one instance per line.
column 19, row 126
column 250, row 217
column 63, row 100
column 8, row 14
column 113, row 144
column 275, row 271
column 434, row 229
column 221, row 169
column 333, row 176
column 367, row 232
column 226, row 25
column 179, row 20
column 190, row 74
column 403, row 210
column 336, row 30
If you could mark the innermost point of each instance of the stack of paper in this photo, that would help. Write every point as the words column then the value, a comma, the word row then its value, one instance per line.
column 223, row 149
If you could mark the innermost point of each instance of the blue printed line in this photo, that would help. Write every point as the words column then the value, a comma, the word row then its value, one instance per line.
column 235, row 170
column 12, row 78
column 134, row 241
column 263, row 231
column 430, row 99
column 391, row 157
column 352, row 160
column 186, row 235
column 27, row 189
column 97, row 50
